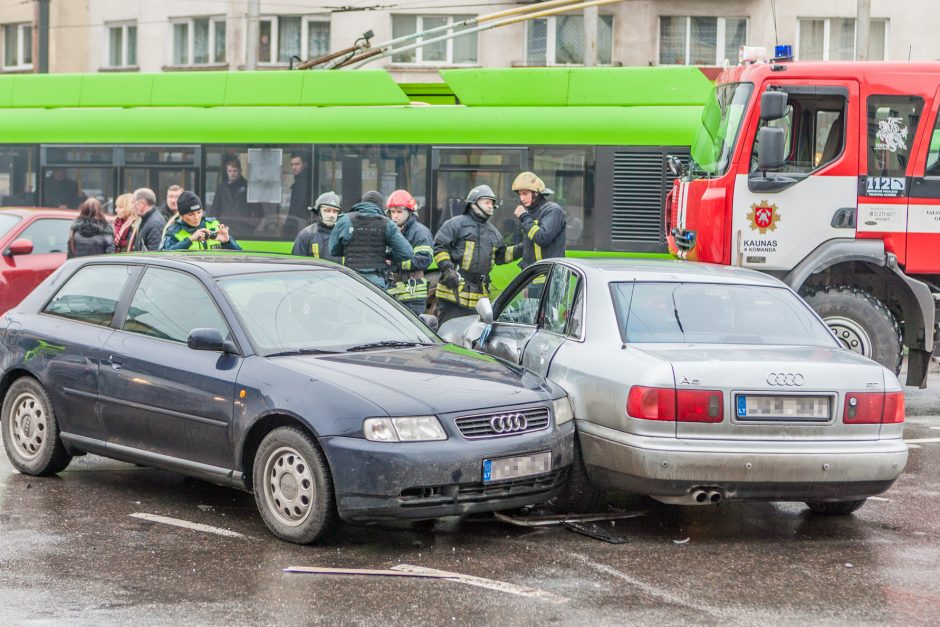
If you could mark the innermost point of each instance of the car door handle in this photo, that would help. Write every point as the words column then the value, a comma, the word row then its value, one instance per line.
column 116, row 362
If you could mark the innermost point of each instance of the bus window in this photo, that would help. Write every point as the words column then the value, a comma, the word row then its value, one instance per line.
column 18, row 176
column 351, row 170
column 569, row 173
column 259, row 192
column 159, row 167
column 72, row 174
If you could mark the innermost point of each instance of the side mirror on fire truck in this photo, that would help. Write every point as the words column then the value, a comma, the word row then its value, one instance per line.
column 771, row 148
column 773, row 105
column 674, row 164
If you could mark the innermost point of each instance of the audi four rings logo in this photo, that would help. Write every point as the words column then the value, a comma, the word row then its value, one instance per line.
column 792, row 379
column 509, row 423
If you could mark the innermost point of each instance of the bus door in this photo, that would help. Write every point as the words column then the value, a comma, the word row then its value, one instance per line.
column 923, row 217
column 457, row 170
column 159, row 168
column 780, row 217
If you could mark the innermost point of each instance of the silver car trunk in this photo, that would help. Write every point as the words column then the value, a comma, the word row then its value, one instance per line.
column 773, row 393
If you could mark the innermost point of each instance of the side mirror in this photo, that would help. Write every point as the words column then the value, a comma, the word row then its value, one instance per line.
column 675, row 165
column 208, row 340
column 429, row 320
column 485, row 310
column 771, row 151
column 773, row 105
column 19, row 247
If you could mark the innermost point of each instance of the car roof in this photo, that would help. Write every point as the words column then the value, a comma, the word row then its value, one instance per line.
column 40, row 211
column 222, row 263
column 632, row 269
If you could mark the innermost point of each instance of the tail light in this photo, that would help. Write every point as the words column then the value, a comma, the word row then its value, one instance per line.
column 648, row 403
column 873, row 408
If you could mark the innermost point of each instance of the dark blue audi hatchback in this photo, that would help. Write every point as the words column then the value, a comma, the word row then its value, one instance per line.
column 292, row 378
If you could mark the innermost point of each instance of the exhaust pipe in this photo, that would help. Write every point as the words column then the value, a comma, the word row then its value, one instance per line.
column 714, row 496
column 700, row 496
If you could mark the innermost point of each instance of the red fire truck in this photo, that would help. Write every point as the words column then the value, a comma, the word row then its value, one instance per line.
column 827, row 176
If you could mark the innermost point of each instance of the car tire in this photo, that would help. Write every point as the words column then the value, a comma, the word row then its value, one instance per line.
column 30, row 430
column 579, row 495
column 835, row 508
column 293, row 487
column 861, row 323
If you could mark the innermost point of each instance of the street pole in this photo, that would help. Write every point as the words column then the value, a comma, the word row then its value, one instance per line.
column 862, row 29
column 252, row 35
column 41, row 38
column 590, row 36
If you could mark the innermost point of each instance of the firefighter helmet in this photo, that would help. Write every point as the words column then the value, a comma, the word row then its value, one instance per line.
column 528, row 181
column 330, row 199
column 401, row 198
column 479, row 192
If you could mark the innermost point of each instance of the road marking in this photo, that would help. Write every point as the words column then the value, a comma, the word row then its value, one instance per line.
column 879, row 498
column 185, row 524
column 480, row 582
column 922, row 440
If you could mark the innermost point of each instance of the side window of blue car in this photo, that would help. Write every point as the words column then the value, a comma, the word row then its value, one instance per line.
column 90, row 295
column 170, row 304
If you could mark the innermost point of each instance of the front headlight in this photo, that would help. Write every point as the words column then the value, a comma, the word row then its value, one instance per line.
column 403, row 429
column 563, row 410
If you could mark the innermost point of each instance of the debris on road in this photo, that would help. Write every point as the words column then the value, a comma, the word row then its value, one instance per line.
column 682, row 541
column 596, row 531
column 544, row 521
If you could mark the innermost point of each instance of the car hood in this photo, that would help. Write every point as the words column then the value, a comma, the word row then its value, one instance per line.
column 435, row 379
column 750, row 366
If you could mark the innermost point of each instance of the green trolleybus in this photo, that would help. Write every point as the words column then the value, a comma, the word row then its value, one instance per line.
column 597, row 136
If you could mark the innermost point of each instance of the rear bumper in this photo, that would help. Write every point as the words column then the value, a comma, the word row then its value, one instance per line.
column 795, row 471
column 424, row 480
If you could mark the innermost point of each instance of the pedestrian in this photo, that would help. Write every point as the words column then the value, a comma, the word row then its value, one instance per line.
column 90, row 233
column 193, row 231
column 299, row 189
column 150, row 232
column 406, row 279
column 362, row 237
column 126, row 223
column 61, row 192
column 465, row 249
column 314, row 241
column 542, row 220
column 168, row 208
column 231, row 196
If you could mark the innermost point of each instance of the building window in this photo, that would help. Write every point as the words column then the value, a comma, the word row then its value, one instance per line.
column 281, row 38
column 122, row 45
column 833, row 39
column 199, row 41
column 560, row 40
column 449, row 52
column 703, row 40
column 17, row 46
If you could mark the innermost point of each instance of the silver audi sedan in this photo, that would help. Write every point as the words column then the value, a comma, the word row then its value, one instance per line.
column 694, row 383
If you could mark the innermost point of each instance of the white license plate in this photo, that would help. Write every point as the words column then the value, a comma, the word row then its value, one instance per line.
column 807, row 408
column 515, row 467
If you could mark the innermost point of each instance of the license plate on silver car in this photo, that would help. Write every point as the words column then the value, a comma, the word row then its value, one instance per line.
column 515, row 467
column 803, row 408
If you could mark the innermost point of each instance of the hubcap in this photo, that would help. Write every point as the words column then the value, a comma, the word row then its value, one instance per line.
column 852, row 335
column 28, row 425
column 288, row 486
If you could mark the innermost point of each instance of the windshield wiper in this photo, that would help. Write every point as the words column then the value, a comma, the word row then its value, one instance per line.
column 385, row 344
column 302, row 351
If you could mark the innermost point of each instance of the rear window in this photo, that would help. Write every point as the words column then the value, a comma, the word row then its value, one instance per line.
column 708, row 313
column 6, row 223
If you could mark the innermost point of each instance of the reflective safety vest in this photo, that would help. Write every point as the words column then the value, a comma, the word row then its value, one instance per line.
column 209, row 244
column 409, row 290
column 467, row 294
column 366, row 247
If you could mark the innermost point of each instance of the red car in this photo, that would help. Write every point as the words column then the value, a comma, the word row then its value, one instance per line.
column 33, row 244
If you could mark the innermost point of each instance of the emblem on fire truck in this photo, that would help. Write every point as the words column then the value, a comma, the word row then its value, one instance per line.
column 891, row 135
column 763, row 217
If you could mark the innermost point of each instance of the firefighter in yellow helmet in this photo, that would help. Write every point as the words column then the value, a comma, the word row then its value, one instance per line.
column 542, row 220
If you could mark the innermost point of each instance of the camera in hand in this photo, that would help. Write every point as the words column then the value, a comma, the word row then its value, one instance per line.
column 212, row 234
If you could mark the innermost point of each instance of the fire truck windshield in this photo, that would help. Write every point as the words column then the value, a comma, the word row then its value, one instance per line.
column 721, row 121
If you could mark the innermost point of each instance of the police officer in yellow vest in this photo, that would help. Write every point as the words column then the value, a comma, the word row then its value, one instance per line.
column 193, row 231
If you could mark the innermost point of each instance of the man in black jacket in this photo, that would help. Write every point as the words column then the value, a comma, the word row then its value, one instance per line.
column 150, row 233
column 543, row 221
column 314, row 241
column 300, row 189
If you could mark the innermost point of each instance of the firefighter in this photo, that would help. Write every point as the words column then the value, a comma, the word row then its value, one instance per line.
column 193, row 231
column 542, row 220
column 362, row 236
column 406, row 279
column 465, row 249
column 314, row 241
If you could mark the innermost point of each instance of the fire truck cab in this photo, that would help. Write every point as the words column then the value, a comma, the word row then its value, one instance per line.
column 826, row 175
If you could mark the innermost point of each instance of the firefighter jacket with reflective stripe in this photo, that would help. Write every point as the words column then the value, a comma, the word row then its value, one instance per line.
column 177, row 237
column 543, row 232
column 314, row 241
column 407, row 277
column 472, row 246
column 365, row 238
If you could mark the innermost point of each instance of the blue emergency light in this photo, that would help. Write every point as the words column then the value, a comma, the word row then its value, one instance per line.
column 783, row 52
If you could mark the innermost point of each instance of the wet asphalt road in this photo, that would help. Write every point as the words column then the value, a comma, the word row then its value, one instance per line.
column 71, row 553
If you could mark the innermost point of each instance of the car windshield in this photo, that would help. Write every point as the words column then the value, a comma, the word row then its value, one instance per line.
column 6, row 222
column 710, row 313
column 311, row 311
column 721, row 120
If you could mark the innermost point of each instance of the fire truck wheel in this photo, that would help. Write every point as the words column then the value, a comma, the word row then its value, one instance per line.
column 861, row 322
